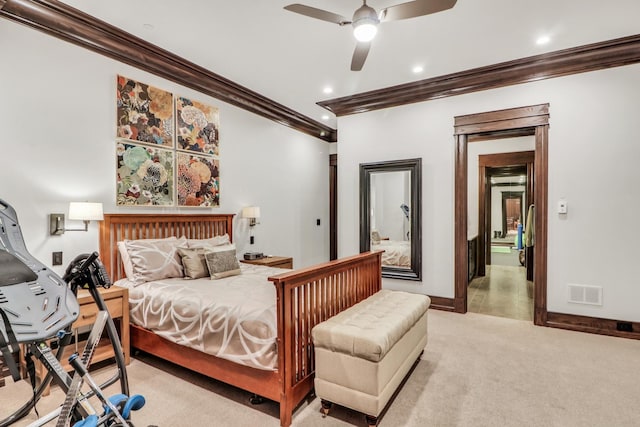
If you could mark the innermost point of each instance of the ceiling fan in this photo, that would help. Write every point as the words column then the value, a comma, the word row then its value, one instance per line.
column 365, row 20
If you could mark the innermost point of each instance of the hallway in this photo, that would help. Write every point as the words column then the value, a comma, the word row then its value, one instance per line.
column 503, row 292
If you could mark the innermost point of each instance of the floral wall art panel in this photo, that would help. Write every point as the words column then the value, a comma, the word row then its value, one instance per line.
column 144, row 113
column 144, row 175
column 197, row 180
column 198, row 126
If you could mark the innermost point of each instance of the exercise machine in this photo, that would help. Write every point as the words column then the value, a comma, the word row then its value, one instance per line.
column 37, row 309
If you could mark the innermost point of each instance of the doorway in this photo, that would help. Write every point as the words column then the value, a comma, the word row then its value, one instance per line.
column 494, row 170
column 504, row 192
column 531, row 120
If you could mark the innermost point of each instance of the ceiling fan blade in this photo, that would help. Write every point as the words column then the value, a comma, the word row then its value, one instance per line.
column 414, row 9
column 360, row 55
column 313, row 12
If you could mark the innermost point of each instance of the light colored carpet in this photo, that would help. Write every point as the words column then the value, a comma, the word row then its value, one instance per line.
column 477, row 370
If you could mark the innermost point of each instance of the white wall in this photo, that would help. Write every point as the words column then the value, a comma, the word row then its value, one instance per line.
column 57, row 114
column 388, row 218
column 592, row 150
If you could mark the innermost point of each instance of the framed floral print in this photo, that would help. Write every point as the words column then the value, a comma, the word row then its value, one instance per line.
column 144, row 113
column 198, row 126
column 197, row 180
column 144, row 175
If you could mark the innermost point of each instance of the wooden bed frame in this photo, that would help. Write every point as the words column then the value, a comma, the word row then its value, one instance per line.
column 305, row 298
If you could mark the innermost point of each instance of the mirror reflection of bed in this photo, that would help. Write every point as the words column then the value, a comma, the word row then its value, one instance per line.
column 397, row 253
column 390, row 217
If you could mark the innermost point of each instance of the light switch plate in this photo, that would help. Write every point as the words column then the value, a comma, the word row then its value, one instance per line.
column 562, row 207
column 56, row 258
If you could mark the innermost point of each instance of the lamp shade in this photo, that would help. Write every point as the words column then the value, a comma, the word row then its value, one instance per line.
column 85, row 211
column 251, row 212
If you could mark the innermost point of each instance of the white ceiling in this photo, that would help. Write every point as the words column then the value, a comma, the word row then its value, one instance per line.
column 290, row 58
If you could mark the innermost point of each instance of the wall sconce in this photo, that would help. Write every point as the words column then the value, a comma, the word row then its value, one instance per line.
column 83, row 211
column 252, row 213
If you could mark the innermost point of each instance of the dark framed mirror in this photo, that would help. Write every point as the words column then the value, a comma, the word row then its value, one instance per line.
column 390, row 217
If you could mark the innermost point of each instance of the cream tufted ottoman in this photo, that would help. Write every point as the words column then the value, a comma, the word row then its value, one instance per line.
column 363, row 353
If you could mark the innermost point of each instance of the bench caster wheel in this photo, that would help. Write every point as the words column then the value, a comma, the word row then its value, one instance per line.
column 326, row 407
column 256, row 400
column 372, row 421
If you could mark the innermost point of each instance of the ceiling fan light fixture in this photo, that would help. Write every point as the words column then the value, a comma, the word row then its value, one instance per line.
column 365, row 23
column 364, row 32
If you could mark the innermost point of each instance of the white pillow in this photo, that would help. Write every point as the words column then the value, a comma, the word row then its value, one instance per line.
column 155, row 259
column 126, row 261
column 213, row 241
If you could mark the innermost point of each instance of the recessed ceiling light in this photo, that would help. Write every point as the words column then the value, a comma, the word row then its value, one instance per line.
column 542, row 40
column 417, row 69
column 325, row 117
column 327, row 89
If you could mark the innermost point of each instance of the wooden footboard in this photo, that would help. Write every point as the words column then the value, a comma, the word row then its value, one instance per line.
column 310, row 296
column 305, row 298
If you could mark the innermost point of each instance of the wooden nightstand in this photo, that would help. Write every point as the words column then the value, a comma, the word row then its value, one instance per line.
column 271, row 261
column 117, row 301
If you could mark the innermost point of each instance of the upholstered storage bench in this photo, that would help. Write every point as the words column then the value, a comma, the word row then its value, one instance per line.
column 363, row 353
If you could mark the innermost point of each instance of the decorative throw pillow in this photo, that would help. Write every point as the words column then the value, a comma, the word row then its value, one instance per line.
column 204, row 243
column 193, row 262
column 124, row 254
column 155, row 259
column 375, row 237
column 222, row 261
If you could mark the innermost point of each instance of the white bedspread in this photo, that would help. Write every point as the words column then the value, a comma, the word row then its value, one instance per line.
column 397, row 253
column 233, row 318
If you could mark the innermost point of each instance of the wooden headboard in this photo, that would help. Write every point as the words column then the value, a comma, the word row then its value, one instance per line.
column 117, row 227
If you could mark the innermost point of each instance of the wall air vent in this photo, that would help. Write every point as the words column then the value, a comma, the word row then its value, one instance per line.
column 585, row 294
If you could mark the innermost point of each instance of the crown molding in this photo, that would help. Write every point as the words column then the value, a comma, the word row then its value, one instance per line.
column 591, row 57
column 67, row 23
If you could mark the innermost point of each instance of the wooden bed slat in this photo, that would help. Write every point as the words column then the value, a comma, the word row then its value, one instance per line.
column 304, row 298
